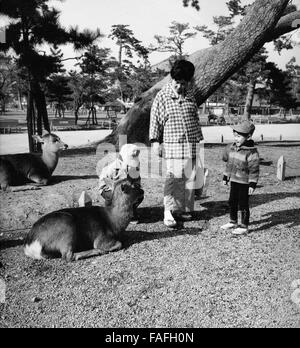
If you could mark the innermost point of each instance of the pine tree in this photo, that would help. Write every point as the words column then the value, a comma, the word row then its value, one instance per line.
column 96, row 65
column 128, row 45
column 58, row 92
column 174, row 43
column 33, row 23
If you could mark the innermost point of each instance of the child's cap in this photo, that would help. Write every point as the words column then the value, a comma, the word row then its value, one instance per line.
column 245, row 127
column 129, row 154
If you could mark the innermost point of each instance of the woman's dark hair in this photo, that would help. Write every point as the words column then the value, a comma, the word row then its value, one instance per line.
column 182, row 70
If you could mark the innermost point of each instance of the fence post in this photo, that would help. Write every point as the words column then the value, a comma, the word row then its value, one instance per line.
column 85, row 200
column 281, row 166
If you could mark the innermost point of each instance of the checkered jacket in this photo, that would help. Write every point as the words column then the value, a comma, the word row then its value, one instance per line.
column 175, row 122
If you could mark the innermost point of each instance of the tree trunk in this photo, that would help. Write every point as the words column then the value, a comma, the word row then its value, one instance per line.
column 249, row 100
column 77, row 106
column 36, row 119
column 20, row 100
column 41, row 106
column 95, row 115
column 30, row 120
column 213, row 66
column 3, row 105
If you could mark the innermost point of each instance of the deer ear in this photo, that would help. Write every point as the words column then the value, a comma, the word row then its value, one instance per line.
column 45, row 132
column 38, row 139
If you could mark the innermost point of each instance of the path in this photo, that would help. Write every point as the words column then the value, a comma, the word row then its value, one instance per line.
column 18, row 143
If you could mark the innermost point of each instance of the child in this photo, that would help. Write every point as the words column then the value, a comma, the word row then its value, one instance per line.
column 127, row 165
column 242, row 171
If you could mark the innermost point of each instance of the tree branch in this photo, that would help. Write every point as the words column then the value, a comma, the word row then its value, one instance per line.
column 285, row 25
column 74, row 58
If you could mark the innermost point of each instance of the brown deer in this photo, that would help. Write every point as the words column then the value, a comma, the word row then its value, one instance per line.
column 20, row 169
column 79, row 233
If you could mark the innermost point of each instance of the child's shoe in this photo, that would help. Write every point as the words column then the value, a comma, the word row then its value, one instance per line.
column 240, row 231
column 229, row 226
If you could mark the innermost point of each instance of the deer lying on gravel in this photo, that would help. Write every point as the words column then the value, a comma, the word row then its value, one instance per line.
column 79, row 233
column 19, row 169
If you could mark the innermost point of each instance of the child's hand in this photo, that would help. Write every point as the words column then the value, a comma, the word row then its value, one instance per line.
column 251, row 191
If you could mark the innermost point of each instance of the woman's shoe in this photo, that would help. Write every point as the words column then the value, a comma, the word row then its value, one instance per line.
column 171, row 223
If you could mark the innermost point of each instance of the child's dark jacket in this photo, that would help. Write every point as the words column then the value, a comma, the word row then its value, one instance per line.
column 242, row 163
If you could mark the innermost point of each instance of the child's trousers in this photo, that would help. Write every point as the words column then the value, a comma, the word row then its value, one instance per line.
column 239, row 200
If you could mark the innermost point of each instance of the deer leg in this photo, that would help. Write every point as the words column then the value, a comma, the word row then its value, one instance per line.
column 107, row 244
column 25, row 188
column 87, row 254
column 68, row 256
column 37, row 180
column 117, row 245
column 6, row 175
column 5, row 187
column 101, row 247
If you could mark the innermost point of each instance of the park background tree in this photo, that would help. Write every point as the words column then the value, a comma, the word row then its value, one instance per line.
column 128, row 46
column 294, row 72
column 281, row 89
column 179, row 33
column 264, row 22
column 59, row 93
column 77, row 84
column 34, row 23
column 57, row 88
column 6, row 80
column 13, row 86
column 96, row 68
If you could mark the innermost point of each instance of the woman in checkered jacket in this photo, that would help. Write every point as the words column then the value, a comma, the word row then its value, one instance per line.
column 175, row 123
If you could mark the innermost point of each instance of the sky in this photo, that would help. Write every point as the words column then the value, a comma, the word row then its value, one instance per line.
column 148, row 18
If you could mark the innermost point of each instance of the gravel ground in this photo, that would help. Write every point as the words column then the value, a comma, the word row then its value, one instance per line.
column 198, row 276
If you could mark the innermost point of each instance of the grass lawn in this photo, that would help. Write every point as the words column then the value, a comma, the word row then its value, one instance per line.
column 198, row 276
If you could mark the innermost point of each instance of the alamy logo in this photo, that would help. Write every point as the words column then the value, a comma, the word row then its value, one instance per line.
column 2, row 35
column 2, row 290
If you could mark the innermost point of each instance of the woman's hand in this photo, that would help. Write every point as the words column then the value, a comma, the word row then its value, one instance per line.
column 251, row 191
column 156, row 149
